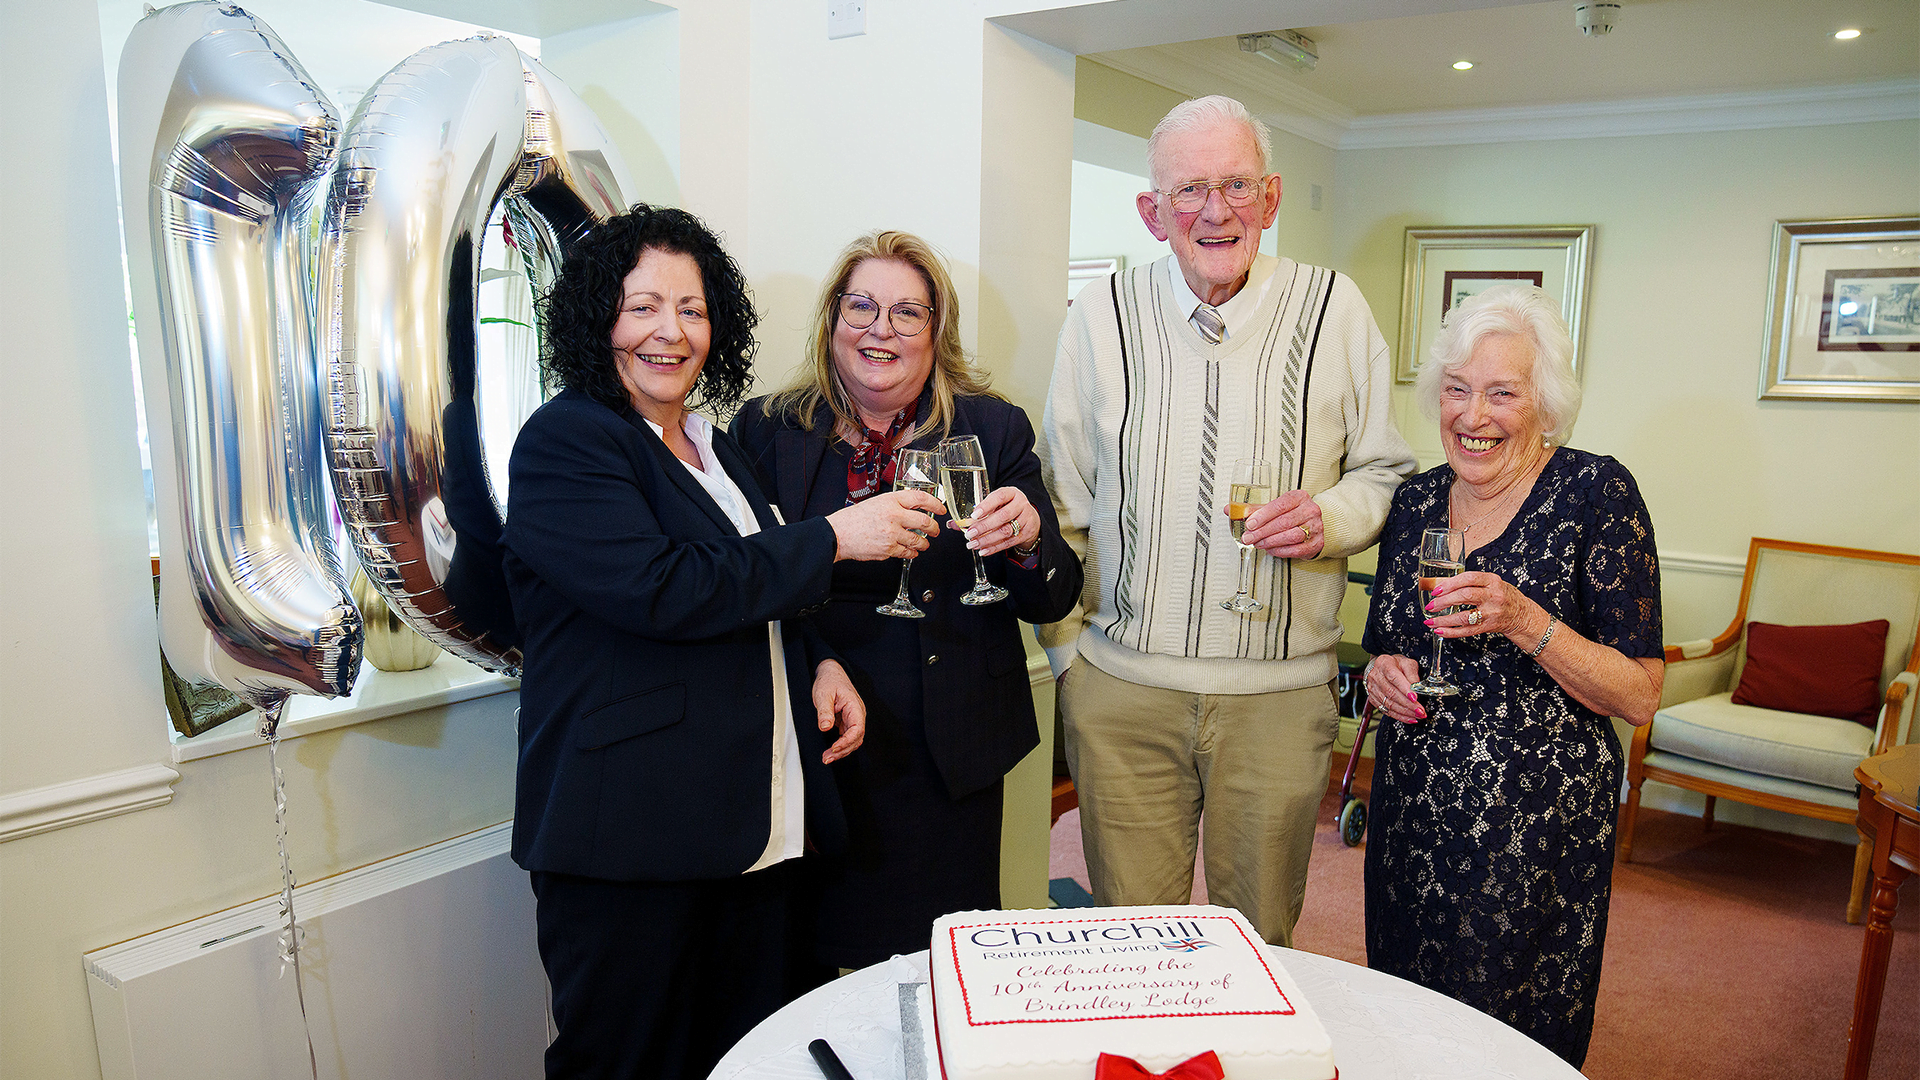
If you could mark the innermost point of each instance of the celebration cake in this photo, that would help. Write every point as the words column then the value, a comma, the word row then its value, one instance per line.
column 1046, row 995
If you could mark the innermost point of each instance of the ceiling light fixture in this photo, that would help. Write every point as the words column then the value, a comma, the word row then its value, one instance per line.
column 1462, row 65
column 1846, row 35
column 1288, row 47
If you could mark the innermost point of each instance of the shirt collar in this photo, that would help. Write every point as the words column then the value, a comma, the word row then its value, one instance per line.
column 1240, row 306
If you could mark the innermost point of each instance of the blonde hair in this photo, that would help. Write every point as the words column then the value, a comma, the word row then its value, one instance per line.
column 818, row 382
column 1524, row 311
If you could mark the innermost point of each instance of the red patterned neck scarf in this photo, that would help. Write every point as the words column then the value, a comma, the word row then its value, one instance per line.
column 870, row 469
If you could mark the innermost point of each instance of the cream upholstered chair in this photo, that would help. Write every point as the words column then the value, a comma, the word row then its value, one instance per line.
column 1802, row 764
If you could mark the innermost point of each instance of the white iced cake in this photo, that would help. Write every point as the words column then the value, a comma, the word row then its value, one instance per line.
column 1040, row 995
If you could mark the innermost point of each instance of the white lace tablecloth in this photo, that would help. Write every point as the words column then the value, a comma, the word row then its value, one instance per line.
column 1382, row 1028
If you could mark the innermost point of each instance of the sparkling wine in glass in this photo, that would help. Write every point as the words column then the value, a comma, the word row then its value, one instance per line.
column 1251, row 488
column 913, row 470
column 963, row 471
column 1443, row 553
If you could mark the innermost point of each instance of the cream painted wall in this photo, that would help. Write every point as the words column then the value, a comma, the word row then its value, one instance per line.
column 628, row 73
column 1674, row 337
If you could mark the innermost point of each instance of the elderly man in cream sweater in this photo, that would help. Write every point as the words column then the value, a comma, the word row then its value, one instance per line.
column 1175, row 707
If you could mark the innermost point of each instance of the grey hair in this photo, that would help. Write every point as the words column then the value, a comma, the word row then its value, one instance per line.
column 1509, row 308
column 1198, row 114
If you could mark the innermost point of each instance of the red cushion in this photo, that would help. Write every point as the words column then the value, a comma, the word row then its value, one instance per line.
column 1822, row 670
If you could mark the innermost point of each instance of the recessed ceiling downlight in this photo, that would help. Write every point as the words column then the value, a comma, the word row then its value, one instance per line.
column 1462, row 65
column 1846, row 35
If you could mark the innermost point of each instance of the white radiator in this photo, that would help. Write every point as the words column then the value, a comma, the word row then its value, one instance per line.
column 422, row 967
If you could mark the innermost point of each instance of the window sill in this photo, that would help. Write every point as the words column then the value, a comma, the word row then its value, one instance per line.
column 376, row 695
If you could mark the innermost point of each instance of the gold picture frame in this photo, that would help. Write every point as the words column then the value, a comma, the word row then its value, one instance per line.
column 1447, row 263
column 1843, row 313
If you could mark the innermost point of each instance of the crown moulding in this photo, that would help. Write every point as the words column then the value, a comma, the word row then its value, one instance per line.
column 1320, row 119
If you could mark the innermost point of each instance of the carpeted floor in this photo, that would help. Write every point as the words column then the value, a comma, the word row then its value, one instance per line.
column 1728, row 951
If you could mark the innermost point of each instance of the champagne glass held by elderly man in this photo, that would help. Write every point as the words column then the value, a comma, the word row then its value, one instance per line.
column 1489, row 863
column 675, row 716
column 949, row 703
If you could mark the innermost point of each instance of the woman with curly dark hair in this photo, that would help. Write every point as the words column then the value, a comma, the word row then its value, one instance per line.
column 666, row 786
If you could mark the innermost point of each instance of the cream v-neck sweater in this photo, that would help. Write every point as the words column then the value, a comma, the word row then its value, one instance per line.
column 1143, row 423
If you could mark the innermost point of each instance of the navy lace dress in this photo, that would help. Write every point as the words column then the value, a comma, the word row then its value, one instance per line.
column 1490, row 850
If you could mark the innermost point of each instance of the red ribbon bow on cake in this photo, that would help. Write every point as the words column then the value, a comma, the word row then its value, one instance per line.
column 1199, row 1067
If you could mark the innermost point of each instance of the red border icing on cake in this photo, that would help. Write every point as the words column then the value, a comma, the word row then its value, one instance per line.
column 966, row 998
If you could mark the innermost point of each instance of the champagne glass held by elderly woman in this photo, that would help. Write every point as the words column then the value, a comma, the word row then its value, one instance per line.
column 949, row 703
column 1489, row 863
column 675, row 716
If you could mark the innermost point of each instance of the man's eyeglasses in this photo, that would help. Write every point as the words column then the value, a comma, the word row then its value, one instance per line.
column 906, row 317
column 1237, row 190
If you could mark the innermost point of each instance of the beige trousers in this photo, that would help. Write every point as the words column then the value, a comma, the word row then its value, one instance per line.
column 1149, row 763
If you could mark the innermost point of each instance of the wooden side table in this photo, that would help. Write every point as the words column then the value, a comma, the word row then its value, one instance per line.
column 1890, row 820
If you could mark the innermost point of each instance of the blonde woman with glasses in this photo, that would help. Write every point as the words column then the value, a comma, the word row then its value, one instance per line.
column 949, row 706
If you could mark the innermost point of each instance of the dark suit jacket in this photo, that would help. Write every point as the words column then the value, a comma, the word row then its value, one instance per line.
column 646, row 706
column 977, row 701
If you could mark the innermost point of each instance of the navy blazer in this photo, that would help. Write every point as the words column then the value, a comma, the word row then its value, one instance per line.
column 976, row 697
column 646, row 703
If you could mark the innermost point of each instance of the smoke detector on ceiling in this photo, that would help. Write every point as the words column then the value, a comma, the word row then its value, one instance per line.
column 1596, row 17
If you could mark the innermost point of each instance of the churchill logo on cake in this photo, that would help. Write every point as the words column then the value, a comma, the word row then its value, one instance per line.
column 1182, row 934
column 1048, row 970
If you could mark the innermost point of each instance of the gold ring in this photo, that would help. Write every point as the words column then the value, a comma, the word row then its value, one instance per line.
column 1015, row 526
column 1306, row 534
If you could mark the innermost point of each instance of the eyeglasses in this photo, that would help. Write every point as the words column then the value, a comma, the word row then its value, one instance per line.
column 906, row 317
column 1237, row 190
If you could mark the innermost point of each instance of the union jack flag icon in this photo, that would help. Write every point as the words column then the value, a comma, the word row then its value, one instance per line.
column 1191, row 944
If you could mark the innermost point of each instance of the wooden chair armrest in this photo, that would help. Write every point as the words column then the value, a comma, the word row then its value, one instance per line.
column 1696, row 677
column 1896, row 716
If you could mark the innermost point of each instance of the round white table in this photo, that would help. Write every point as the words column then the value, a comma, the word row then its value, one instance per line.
column 1383, row 1028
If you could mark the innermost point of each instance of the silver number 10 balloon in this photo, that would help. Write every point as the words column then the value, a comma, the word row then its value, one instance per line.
column 309, row 298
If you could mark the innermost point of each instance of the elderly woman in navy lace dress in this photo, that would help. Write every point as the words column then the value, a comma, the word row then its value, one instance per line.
column 1490, row 862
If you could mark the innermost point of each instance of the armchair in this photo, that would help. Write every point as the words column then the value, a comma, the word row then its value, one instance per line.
column 1799, row 763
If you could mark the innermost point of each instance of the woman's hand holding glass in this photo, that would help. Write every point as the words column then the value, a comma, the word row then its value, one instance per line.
column 963, row 476
column 891, row 525
column 1004, row 519
column 1485, row 603
column 1389, row 681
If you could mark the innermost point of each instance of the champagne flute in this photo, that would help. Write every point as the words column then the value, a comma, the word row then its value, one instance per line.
column 1443, row 553
column 913, row 470
column 963, row 470
column 1251, row 489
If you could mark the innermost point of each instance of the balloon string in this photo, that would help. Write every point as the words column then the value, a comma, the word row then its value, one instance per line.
column 289, row 937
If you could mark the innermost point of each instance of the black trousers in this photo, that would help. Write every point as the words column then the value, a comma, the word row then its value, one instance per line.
column 659, row 979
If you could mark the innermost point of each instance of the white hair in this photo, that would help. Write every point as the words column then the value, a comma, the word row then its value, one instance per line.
column 1198, row 114
column 1524, row 311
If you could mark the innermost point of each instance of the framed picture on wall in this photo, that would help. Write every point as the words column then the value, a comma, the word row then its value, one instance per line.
column 1082, row 271
column 1843, row 317
column 1447, row 264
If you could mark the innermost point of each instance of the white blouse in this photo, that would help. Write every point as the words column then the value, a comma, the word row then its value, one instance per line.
column 788, row 795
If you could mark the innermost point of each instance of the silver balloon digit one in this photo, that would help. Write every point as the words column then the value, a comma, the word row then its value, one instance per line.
column 435, row 148
column 224, row 144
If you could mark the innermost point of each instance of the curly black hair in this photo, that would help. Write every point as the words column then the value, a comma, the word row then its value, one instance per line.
column 579, row 311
